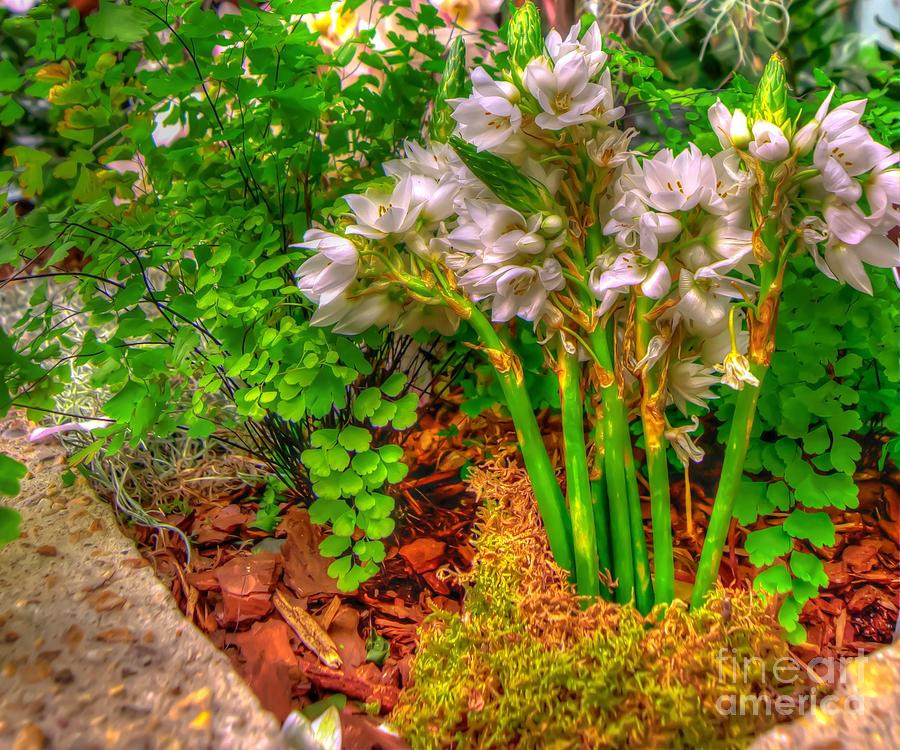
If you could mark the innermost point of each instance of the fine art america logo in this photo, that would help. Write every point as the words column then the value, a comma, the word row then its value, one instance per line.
column 784, row 687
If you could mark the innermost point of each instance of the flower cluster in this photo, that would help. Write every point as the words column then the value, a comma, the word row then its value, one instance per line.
column 600, row 227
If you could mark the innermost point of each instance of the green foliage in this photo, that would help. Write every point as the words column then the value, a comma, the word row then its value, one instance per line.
column 182, row 154
column 835, row 378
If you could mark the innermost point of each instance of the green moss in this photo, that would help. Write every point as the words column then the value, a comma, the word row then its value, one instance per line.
column 526, row 666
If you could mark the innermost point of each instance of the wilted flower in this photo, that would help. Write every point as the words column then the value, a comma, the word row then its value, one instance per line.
column 680, row 440
column 736, row 371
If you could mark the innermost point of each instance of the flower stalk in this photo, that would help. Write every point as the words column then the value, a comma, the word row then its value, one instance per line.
column 657, row 464
column 540, row 469
column 578, row 487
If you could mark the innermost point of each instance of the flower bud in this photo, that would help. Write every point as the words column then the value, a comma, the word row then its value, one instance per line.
column 552, row 225
column 739, row 131
column 771, row 100
column 452, row 84
column 805, row 138
column 524, row 37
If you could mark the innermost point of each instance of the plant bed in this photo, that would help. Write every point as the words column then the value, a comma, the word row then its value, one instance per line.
column 330, row 269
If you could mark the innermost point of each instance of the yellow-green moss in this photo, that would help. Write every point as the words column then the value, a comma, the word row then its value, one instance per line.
column 526, row 666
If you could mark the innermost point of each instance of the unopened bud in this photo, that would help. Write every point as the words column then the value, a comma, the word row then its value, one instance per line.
column 805, row 138
column 739, row 131
column 552, row 225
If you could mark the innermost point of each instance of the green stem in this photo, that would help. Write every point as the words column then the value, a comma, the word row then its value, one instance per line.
column 614, row 464
column 643, row 581
column 729, row 483
column 540, row 470
column 601, row 527
column 578, row 487
column 657, row 464
column 601, row 508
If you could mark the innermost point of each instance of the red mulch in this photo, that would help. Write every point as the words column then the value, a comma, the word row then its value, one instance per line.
column 227, row 591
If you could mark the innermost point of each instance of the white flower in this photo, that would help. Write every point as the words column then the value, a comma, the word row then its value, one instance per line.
column 731, row 129
column 42, row 433
column 334, row 267
column 379, row 213
column 564, row 91
column 624, row 272
column 352, row 316
column 679, row 183
column 590, row 47
column 688, row 382
column 498, row 234
column 18, row 6
column 843, row 262
column 805, row 138
column 706, row 296
column 769, row 142
column 638, row 228
column 736, row 371
column 516, row 290
column 489, row 117
column 845, row 156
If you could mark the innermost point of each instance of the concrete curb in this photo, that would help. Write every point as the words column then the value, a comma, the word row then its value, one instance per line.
column 93, row 651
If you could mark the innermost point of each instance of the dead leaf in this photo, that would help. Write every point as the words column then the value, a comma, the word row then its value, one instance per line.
column 344, row 632
column 305, row 570
column 228, row 518
column 423, row 554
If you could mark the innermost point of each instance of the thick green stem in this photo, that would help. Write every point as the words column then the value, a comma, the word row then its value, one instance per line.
column 540, row 470
column 601, row 508
column 614, row 441
column 729, row 483
column 643, row 581
column 578, row 487
column 657, row 465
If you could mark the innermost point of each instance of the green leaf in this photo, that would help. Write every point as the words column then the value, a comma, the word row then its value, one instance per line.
column 120, row 23
column 11, row 471
column 377, row 648
column 809, row 568
column 390, row 453
column 774, row 580
column 355, row 438
column 507, row 181
column 817, row 528
column 766, row 545
column 393, row 386
column 366, row 463
column 817, row 441
column 366, row 403
column 10, row 521
column 334, row 545
column 10, row 80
